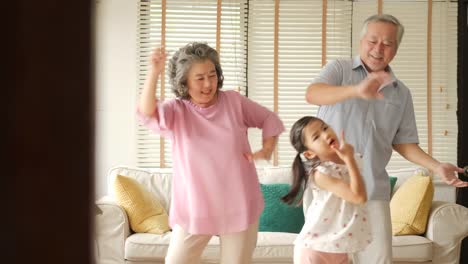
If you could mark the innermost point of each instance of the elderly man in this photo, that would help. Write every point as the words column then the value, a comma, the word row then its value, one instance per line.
column 363, row 97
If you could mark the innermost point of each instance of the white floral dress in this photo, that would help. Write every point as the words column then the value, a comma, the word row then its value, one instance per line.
column 333, row 224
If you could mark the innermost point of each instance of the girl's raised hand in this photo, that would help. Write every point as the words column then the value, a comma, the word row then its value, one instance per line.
column 158, row 60
column 346, row 151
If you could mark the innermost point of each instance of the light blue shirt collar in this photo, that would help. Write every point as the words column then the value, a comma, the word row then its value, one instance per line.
column 357, row 62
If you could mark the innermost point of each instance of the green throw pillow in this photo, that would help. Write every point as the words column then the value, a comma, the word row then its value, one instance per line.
column 392, row 183
column 278, row 216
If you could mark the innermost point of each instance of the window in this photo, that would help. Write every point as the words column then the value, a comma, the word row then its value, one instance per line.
column 299, row 57
column 270, row 50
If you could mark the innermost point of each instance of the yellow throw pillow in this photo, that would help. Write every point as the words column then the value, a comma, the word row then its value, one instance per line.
column 410, row 206
column 145, row 213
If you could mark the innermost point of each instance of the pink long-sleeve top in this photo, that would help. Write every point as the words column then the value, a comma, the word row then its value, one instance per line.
column 215, row 189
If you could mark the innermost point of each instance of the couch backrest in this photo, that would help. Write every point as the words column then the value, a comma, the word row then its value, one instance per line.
column 159, row 181
column 281, row 174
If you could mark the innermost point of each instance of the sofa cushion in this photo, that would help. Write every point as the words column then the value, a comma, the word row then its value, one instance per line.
column 272, row 247
column 281, row 174
column 145, row 213
column 278, row 216
column 158, row 181
column 411, row 248
column 410, row 206
column 147, row 247
column 393, row 181
column 404, row 174
column 153, row 248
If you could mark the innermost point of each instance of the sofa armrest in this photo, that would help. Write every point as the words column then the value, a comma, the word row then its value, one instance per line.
column 447, row 226
column 111, row 230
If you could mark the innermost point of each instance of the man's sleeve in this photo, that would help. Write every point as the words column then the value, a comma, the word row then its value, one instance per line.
column 407, row 131
column 256, row 115
column 161, row 121
column 331, row 73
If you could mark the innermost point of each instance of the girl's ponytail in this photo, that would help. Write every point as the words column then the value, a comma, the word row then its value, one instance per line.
column 301, row 167
column 298, row 183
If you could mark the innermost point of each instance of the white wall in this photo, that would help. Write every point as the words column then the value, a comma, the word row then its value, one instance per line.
column 115, row 80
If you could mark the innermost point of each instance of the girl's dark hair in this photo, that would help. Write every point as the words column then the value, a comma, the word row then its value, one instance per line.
column 300, row 175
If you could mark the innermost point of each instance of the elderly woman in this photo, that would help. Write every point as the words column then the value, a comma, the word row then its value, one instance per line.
column 215, row 189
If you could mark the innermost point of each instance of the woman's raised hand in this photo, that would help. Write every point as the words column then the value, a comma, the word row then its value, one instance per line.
column 158, row 60
column 148, row 99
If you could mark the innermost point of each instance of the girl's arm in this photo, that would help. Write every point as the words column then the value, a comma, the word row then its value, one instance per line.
column 353, row 191
column 148, row 101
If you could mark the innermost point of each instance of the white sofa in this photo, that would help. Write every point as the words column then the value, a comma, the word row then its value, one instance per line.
column 116, row 243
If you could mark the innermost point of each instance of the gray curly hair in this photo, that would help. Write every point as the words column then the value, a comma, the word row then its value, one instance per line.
column 181, row 62
column 385, row 18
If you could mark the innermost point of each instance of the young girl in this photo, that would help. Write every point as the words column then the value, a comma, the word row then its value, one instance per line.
column 336, row 222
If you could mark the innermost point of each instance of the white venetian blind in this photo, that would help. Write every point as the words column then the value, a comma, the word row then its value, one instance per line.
column 187, row 21
column 444, row 81
column 339, row 29
column 362, row 9
column 261, row 58
column 410, row 64
column 299, row 57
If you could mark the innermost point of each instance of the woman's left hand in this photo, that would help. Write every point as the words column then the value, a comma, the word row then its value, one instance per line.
column 263, row 154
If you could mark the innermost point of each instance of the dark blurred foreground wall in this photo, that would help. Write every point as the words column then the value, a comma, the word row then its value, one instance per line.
column 47, row 132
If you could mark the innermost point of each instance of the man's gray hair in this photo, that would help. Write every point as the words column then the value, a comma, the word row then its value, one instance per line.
column 385, row 18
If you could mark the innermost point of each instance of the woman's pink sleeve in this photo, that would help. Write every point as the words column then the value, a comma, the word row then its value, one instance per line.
column 160, row 122
column 256, row 115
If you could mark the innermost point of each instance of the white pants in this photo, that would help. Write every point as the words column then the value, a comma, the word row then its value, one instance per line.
column 380, row 249
column 236, row 248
